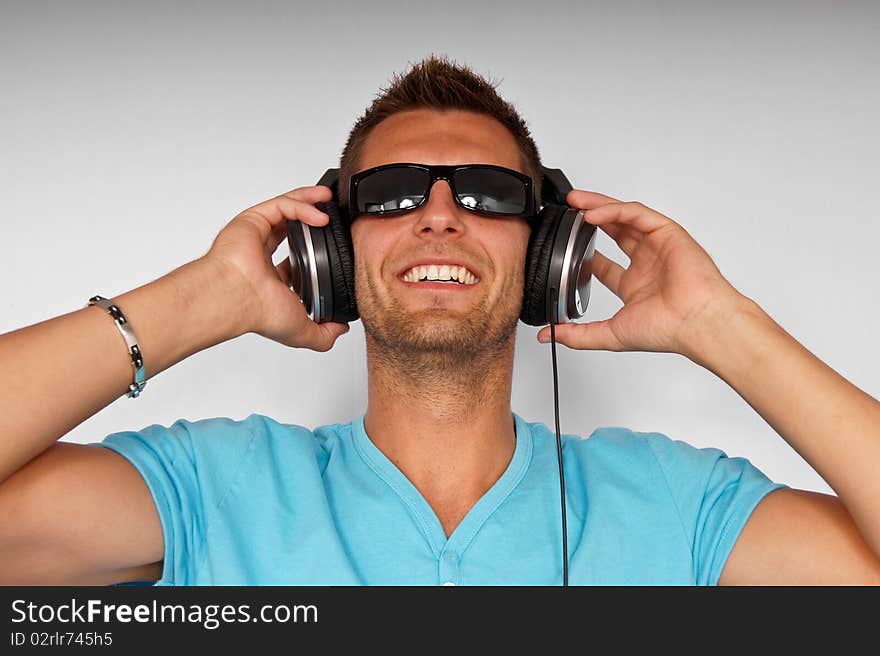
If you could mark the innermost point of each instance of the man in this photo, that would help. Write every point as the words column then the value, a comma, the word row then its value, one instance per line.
column 439, row 482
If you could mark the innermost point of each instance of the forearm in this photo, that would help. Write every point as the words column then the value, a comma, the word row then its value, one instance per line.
column 56, row 374
column 830, row 422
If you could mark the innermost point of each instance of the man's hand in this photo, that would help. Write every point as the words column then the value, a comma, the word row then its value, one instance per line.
column 244, row 249
column 676, row 300
column 670, row 287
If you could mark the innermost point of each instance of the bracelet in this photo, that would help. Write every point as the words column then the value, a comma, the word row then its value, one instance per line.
column 137, row 361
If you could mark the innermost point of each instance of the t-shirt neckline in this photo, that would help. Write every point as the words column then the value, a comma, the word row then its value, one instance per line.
column 423, row 513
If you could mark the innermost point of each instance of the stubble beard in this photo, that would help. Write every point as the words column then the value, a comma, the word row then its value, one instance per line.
column 469, row 353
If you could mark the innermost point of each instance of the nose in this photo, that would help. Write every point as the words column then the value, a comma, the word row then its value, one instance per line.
column 440, row 213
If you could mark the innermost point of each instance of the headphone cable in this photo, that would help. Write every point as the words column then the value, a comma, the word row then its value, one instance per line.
column 559, row 451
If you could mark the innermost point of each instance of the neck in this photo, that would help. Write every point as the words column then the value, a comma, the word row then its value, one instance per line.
column 445, row 422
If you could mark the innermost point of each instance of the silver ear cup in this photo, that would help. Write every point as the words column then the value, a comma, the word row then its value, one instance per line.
column 309, row 269
column 571, row 268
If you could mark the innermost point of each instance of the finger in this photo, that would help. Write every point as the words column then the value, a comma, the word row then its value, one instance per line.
column 587, row 200
column 278, row 235
column 322, row 336
column 283, row 271
column 593, row 336
column 270, row 217
column 622, row 236
column 310, row 194
column 608, row 272
column 275, row 209
column 610, row 229
column 634, row 214
column 278, row 209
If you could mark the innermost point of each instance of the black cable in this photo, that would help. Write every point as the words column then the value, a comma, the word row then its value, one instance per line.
column 559, row 451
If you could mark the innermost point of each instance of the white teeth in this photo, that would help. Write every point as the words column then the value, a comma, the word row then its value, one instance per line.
column 446, row 272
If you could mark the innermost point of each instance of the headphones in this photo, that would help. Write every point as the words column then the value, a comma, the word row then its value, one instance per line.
column 558, row 259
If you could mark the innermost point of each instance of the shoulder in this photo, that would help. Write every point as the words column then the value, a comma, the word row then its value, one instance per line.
column 619, row 443
column 217, row 440
column 259, row 434
column 642, row 457
column 613, row 444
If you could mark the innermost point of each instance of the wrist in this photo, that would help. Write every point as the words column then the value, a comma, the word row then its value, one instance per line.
column 717, row 332
column 230, row 295
column 183, row 312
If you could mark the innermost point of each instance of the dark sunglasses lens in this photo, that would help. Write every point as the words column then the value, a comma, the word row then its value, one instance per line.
column 491, row 191
column 391, row 189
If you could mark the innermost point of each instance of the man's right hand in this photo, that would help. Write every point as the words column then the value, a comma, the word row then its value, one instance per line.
column 244, row 250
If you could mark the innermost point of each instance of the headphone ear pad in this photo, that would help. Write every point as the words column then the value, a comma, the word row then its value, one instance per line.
column 340, row 255
column 534, row 308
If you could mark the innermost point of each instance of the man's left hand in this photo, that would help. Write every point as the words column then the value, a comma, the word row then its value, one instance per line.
column 670, row 290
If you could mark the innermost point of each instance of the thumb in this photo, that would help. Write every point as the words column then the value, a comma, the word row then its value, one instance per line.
column 333, row 331
column 322, row 337
column 342, row 327
column 337, row 330
column 592, row 336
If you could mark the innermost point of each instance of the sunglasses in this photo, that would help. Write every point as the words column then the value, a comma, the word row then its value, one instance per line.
column 482, row 188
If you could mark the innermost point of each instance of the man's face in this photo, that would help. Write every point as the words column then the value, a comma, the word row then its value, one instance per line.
column 453, row 321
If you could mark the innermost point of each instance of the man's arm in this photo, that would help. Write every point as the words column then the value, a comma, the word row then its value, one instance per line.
column 676, row 301
column 58, row 373
column 78, row 514
column 75, row 514
column 797, row 536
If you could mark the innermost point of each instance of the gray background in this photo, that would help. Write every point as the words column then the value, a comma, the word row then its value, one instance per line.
column 130, row 134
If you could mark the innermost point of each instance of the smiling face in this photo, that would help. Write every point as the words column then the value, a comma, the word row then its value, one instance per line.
column 453, row 321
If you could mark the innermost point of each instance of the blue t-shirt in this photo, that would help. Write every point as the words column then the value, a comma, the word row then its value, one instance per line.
column 259, row 502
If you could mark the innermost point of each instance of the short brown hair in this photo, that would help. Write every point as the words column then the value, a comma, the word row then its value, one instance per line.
column 437, row 83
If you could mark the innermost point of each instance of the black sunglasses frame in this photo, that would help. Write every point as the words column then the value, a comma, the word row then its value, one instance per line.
column 441, row 172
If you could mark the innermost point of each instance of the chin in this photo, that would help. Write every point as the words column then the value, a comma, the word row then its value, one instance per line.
column 436, row 332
